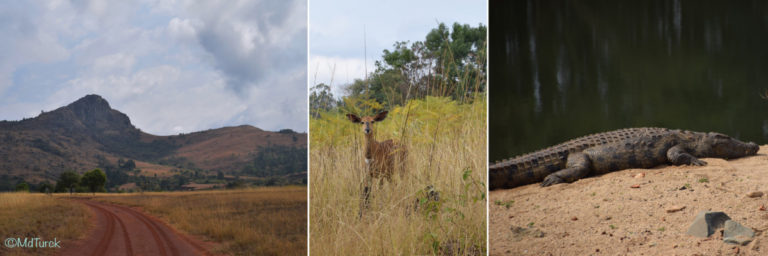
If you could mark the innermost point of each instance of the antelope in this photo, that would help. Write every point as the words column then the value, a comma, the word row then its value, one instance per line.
column 380, row 156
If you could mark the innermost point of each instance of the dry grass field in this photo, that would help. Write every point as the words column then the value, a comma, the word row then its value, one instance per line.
column 261, row 221
column 27, row 215
column 446, row 143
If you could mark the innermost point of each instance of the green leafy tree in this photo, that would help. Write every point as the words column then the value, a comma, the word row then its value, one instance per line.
column 129, row 165
column 68, row 181
column 22, row 187
column 321, row 98
column 95, row 181
column 449, row 62
column 45, row 187
column 460, row 56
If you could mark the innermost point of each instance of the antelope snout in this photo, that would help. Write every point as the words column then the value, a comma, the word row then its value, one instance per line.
column 367, row 130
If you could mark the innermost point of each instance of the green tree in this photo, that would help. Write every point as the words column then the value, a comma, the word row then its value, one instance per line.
column 129, row 165
column 45, row 187
column 460, row 55
column 68, row 181
column 320, row 98
column 449, row 62
column 23, row 186
column 95, row 180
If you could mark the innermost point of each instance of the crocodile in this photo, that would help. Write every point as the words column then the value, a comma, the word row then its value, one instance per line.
column 615, row 150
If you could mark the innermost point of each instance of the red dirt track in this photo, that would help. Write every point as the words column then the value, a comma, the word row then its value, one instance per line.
column 120, row 230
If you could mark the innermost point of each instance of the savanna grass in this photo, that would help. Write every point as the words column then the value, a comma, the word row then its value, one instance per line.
column 35, row 215
column 446, row 143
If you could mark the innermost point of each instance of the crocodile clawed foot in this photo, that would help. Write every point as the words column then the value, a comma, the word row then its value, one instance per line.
column 551, row 180
column 698, row 162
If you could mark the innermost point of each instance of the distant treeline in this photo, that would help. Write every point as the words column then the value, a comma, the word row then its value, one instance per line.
column 69, row 181
column 272, row 165
column 277, row 160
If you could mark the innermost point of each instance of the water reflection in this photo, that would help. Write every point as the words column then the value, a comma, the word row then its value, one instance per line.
column 561, row 69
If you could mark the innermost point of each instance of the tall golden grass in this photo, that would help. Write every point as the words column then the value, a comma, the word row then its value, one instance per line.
column 257, row 221
column 28, row 215
column 446, row 143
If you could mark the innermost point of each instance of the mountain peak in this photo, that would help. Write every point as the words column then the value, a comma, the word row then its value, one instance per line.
column 93, row 112
column 90, row 101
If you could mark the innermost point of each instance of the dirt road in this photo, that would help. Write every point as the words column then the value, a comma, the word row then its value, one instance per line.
column 120, row 230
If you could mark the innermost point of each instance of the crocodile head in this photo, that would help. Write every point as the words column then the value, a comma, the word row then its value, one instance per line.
column 722, row 146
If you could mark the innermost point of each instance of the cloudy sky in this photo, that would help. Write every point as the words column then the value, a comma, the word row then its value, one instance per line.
column 172, row 66
column 336, row 32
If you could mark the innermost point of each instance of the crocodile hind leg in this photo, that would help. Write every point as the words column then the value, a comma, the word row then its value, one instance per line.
column 578, row 166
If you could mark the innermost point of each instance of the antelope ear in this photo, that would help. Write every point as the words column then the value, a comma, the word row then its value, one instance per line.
column 353, row 118
column 380, row 116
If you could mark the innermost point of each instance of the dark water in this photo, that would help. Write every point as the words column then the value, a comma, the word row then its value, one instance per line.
column 562, row 69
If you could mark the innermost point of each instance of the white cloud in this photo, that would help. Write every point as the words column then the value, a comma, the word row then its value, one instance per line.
column 172, row 66
column 249, row 41
column 25, row 41
column 336, row 71
column 114, row 63
column 182, row 29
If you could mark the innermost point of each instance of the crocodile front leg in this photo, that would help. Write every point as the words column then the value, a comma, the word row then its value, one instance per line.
column 677, row 155
column 578, row 167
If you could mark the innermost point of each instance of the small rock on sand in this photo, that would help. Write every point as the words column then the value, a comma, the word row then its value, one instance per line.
column 675, row 208
column 640, row 175
column 706, row 223
column 735, row 233
column 755, row 194
column 635, row 186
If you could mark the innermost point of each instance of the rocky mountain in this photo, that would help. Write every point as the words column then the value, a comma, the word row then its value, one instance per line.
column 88, row 133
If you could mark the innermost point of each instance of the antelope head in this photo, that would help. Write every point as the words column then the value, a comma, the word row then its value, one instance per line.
column 367, row 121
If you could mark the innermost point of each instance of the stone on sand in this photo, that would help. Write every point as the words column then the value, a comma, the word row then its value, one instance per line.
column 706, row 222
column 675, row 208
column 735, row 233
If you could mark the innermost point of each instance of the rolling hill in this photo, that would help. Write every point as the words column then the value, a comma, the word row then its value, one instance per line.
column 88, row 133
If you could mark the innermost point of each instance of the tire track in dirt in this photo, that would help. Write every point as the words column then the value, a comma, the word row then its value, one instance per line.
column 159, row 236
column 142, row 235
column 103, row 244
